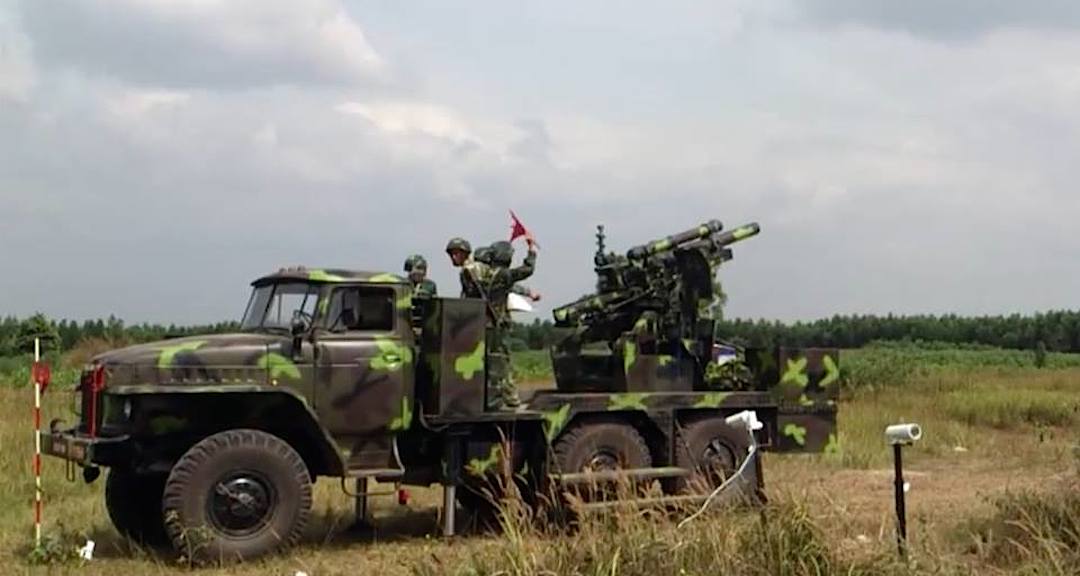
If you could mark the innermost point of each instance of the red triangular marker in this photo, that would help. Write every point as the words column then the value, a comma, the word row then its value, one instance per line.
column 517, row 229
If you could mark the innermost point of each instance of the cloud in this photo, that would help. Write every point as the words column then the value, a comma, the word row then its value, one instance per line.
column 174, row 150
column 17, row 72
column 205, row 43
column 410, row 118
column 946, row 19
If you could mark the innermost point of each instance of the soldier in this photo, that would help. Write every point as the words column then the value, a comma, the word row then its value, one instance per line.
column 416, row 268
column 487, row 255
column 473, row 273
column 502, row 279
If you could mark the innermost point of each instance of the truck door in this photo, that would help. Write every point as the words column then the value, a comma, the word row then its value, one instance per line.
column 364, row 369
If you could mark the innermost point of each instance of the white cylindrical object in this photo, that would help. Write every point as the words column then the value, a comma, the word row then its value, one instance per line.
column 903, row 433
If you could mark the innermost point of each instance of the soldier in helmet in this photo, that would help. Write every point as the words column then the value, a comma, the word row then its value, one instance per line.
column 503, row 279
column 492, row 280
column 416, row 268
column 488, row 255
column 473, row 272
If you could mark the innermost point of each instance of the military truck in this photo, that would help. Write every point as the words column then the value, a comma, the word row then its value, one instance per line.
column 212, row 443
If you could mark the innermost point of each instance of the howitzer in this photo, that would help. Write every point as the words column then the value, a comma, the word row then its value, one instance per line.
column 651, row 304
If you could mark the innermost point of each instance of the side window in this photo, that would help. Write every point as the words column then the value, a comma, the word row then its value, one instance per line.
column 361, row 308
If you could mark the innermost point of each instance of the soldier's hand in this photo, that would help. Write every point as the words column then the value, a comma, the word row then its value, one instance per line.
column 534, row 295
column 530, row 240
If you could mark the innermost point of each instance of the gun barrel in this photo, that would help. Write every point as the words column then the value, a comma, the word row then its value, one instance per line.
column 669, row 242
column 570, row 313
column 741, row 233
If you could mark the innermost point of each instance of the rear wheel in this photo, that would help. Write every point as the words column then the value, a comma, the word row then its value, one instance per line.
column 600, row 446
column 134, row 505
column 712, row 450
column 237, row 495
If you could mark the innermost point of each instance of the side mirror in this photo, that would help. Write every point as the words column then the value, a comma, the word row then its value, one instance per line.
column 299, row 327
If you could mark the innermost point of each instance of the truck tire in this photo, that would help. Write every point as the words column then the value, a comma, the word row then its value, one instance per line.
column 236, row 495
column 601, row 445
column 712, row 449
column 134, row 505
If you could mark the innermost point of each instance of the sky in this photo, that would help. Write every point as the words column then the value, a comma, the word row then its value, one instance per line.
column 903, row 157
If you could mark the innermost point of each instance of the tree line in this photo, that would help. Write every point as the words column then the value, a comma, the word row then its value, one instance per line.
column 1056, row 331
column 17, row 335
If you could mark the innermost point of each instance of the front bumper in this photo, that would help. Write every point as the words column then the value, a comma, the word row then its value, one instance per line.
column 85, row 450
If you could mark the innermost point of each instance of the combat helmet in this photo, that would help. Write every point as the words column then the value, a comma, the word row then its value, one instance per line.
column 502, row 253
column 483, row 255
column 415, row 261
column 458, row 243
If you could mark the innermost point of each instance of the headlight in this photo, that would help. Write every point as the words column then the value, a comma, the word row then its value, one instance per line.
column 127, row 409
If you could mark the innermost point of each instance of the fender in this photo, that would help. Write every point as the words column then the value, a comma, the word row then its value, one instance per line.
column 328, row 449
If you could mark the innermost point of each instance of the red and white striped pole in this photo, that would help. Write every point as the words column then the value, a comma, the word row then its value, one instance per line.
column 37, row 442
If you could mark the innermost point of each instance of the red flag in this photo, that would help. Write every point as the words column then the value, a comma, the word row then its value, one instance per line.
column 517, row 230
column 41, row 375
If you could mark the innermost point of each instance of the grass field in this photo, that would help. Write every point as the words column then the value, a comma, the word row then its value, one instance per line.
column 995, row 490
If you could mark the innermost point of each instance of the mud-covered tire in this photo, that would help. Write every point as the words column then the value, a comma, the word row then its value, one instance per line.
column 712, row 449
column 133, row 502
column 601, row 445
column 236, row 495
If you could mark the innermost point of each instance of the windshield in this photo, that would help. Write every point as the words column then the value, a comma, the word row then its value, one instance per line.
column 272, row 306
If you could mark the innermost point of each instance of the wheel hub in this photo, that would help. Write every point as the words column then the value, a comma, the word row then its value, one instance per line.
column 718, row 462
column 603, row 461
column 241, row 503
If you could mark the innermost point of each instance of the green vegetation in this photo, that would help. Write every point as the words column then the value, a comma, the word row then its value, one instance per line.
column 1059, row 331
column 896, row 363
column 17, row 336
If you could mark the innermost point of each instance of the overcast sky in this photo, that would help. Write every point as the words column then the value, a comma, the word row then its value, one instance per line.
column 908, row 157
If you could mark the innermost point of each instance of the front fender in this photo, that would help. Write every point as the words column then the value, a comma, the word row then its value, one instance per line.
column 205, row 409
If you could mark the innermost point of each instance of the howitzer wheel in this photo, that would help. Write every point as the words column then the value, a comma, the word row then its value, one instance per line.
column 134, row 505
column 237, row 495
column 711, row 449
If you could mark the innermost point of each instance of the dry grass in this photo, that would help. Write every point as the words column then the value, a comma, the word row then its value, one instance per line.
column 990, row 493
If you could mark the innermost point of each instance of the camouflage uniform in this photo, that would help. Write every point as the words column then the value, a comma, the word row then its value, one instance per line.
column 422, row 288
column 503, row 281
column 425, row 289
column 493, row 281
column 485, row 255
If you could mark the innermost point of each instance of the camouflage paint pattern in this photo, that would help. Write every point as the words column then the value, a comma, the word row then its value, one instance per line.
column 807, row 386
column 667, row 243
column 455, row 351
column 559, row 407
column 355, row 386
column 363, row 381
column 650, row 311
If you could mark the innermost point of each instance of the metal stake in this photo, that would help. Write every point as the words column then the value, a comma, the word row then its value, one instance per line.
column 901, row 514
column 449, row 501
column 361, row 498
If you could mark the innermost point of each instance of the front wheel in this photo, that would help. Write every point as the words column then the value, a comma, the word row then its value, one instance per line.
column 236, row 495
column 134, row 505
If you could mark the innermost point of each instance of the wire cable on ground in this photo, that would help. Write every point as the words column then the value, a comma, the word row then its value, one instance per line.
column 751, row 455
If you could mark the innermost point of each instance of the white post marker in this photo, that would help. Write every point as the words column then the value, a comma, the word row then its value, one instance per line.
column 37, row 443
